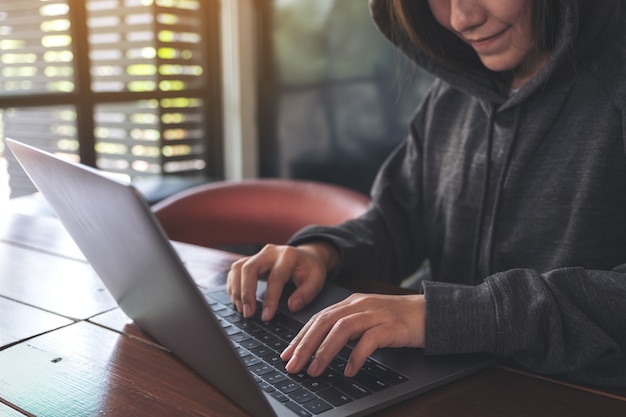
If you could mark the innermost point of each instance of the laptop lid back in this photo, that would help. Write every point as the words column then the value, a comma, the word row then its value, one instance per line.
column 116, row 231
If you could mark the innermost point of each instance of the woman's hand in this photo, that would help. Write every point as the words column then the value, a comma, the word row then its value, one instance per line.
column 378, row 320
column 306, row 265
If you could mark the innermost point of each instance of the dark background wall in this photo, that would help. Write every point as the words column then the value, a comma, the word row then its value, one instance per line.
column 336, row 97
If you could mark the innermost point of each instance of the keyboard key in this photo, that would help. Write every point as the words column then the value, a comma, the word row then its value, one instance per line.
column 393, row 378
column 277, row 345
column 334, row 396
column 242, row 352
column 338, row 364
column 370, row 381
column 302, row 396
column 266, row 387
column 288, row 322
column 272, row 359
column 281, row 366
column 300, row 376
column 231, row 330
column 331, row 376
column 218, row 308
column 288, row 386
column 261, row 369
column 234, row 318
column 280, row 396
column 317, row 406
column 277, row 329
column 352, row 388
column 275, row 377
column 314, row 384
column 375, row 368
column 250, row 344
column 265, row 337
column 253, row 330
column 287, row 337
column 382, row 372
column 297, row 409
column 239, row 337
column 262, row 350
column 225, row 312
column 251, row 360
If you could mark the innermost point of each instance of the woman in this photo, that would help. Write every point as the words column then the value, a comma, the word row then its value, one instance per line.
column 511, row 183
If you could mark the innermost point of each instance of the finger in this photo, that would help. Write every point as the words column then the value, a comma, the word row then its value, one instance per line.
column 313, row 339
column 254, row 267
column 324, row 319
column 309, row 284
column 233, row 283
column 344, row 330
column 278, row 276
column 301, row 348
column 251, row 272
column 371, row 340
column 289, row 351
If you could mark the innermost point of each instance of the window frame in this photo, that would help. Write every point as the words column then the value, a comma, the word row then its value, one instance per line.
column 84, row 99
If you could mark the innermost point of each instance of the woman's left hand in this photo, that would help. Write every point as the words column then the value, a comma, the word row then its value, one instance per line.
column 378, row 321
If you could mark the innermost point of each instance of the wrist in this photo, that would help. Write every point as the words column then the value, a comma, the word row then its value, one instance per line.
column 326, row 252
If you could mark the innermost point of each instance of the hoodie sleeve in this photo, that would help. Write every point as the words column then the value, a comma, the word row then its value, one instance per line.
column 567, row 321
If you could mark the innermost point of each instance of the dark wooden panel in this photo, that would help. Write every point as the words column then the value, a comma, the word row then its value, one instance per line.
column 64, row 286
column 85, row 370
column 496, row 392
column 117, row 321
column 19, row 321
column 42, row 233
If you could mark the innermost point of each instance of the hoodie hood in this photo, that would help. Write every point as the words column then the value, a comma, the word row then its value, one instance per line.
column 573, row 35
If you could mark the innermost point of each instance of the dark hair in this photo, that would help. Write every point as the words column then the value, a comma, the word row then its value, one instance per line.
column 415, row 20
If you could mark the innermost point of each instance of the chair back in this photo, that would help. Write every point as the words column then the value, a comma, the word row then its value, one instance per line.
column 228, row 214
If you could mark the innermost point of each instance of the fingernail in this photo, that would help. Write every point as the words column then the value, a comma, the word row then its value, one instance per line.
column 266, row 314
column 247, row 312
column 287, row 353
column 295, row 303
column 313, row 368
column 292, row 364
column 238, row 306
column 348, row 370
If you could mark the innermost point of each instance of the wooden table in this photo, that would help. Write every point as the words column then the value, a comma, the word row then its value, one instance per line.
column 67, row 350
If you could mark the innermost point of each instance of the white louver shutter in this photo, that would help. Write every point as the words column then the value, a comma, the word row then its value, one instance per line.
column 125, row 85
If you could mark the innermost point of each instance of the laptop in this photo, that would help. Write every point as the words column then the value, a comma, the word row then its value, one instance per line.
column 126, row 246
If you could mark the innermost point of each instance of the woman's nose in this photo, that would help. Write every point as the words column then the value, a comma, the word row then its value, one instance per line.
column 466, row 14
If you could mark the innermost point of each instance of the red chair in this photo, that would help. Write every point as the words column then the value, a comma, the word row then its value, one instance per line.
column 243, row 215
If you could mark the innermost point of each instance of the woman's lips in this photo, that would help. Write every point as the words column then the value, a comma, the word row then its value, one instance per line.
column 485, row 42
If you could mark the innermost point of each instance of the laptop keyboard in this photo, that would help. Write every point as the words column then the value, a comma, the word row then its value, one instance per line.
column 260, row 344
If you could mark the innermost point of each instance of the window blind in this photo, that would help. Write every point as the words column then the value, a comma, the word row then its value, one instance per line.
column 128, row 86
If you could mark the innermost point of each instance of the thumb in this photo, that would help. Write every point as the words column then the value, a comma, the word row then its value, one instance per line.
column 306, row 290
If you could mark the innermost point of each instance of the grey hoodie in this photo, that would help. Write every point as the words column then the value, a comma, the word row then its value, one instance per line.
column 518, row 202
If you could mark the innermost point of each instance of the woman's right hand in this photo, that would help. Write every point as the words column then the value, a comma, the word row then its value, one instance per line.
column 306, row 265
